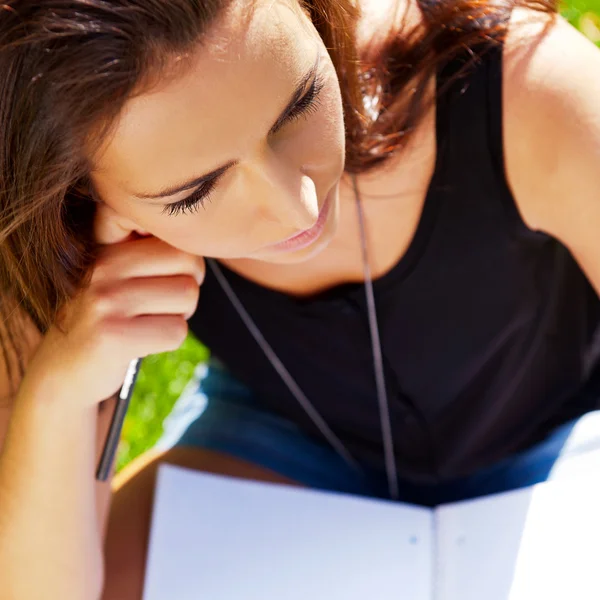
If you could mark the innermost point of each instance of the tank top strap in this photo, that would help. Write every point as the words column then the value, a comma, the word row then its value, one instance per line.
column 470, row 127
column 470, row 99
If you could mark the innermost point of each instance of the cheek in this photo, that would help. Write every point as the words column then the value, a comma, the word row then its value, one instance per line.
column 330, row 127
column 330, row 116
column 320, row 142
column 327, row 124
column 219, row 234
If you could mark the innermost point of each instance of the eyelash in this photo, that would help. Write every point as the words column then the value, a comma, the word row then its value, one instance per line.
column 194, row 201
column 306, row 106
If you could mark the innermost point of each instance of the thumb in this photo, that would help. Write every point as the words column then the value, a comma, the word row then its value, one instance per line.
column 112, row 228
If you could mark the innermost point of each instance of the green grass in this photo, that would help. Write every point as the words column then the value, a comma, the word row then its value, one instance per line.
column 163, row 376
column 161, row 380
column 585, row 15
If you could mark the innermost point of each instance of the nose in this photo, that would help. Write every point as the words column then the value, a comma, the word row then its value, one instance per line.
column 288, row 197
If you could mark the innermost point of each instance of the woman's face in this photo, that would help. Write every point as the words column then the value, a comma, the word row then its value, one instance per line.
column 241, row 155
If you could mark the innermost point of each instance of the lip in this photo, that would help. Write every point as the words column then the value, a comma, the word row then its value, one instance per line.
column 307, row 237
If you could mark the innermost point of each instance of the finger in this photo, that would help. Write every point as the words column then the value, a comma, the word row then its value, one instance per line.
column 175, row 295
column 148, row 334
column 147, row 257
column 110, row 227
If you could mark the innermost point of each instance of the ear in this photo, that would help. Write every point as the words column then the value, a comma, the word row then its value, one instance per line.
column 112, row 228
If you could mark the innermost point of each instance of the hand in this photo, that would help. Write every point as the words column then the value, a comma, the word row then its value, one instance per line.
column 141, row 292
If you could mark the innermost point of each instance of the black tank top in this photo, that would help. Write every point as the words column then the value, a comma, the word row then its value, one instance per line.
column 487, row 328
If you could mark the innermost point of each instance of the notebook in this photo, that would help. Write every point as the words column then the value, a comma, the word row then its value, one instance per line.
column 220, row 538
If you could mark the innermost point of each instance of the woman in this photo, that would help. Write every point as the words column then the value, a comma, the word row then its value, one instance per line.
column 403, row 203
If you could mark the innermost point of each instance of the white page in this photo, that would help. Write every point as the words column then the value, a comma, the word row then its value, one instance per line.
column 537, row 543
column 218, row 538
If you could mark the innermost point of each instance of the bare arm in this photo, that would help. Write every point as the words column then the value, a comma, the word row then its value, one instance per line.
column 52, row 511
column 552, row 133
column 47, row 457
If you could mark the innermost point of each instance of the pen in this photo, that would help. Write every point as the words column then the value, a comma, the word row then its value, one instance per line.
column 116, row 424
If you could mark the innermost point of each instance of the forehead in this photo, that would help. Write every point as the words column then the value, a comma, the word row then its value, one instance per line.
column 232, row 86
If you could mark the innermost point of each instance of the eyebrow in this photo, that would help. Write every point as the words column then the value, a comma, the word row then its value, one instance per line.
column 197, row 181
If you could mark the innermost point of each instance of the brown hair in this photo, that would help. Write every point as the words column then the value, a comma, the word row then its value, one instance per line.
column 68, row 66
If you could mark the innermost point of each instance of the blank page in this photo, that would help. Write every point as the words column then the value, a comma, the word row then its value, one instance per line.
column 221, row 538
column 537, row 543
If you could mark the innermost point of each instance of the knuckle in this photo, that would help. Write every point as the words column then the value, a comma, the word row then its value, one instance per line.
column 106, row 264
column 193, row 265
column 100, row 268
column 177, row 333
column 101, row 301
column 199, row 269
column 188, row 262
column 190, row 287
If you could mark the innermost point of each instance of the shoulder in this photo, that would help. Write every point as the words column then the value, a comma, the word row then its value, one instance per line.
column 551, row 120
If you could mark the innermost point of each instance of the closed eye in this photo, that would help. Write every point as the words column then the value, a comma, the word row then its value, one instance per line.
column 305, row 105
column 194, row 201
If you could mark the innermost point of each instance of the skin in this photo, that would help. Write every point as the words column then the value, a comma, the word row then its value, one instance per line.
column 180, row 130
column 193, row 124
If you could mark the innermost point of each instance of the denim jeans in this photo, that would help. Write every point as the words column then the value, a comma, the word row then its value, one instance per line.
column 217, row 412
